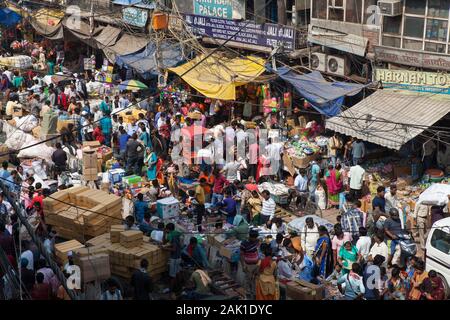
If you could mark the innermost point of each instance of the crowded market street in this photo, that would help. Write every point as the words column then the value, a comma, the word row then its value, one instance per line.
column 141, row 160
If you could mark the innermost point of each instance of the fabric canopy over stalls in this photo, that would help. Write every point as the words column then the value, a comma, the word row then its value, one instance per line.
column 47, row 22
column 391, row 118
column 217, row 76
column 145, row 62
column 127, row 44
column 326, row 97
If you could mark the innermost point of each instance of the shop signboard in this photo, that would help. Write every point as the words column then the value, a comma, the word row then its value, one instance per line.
column 225, row 9
column 135, row 16
column 427, row 60
column 414, row 80
column 260, row 37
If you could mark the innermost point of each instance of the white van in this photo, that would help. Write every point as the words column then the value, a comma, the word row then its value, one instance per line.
column 437, row 254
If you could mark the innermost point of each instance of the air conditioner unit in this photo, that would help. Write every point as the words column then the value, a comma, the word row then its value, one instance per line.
column 390, row 8
column 338, row 65
column 318, row 61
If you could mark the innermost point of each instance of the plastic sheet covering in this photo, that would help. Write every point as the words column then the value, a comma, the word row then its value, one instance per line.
column 217, row 76
column 298, row 224
column 145, row 62
column 49, row 123
column 326, row 97
column 47, row 22
column 27, row 123
column 127, row 44
column 108, row 37
column 437, row 195
column 40, row 151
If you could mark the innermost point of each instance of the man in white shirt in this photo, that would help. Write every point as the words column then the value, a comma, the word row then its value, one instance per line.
column 28, row 255
column 356, row 176
column 309, row 236
column 380, row 248
column 274, row 151
column 363, row 243
column 391, row 198
column 301, row 189
column 231, row 169
column 268, row 207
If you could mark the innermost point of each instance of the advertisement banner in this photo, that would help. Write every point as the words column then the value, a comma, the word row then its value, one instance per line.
column 414, row 80
column 262, row 37
column 225, row 9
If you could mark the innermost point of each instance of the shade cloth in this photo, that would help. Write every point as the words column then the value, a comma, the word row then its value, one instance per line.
column 47, row 22
column 145, row 62
column 326, row 97
column 387, row 116
column 127, row 44
column 217, row 77
column 108, row 37
column 9, row 18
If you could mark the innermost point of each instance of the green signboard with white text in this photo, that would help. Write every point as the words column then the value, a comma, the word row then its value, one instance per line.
column 225, row 9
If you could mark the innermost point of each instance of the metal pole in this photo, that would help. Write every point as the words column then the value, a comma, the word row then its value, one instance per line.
column 56, row 270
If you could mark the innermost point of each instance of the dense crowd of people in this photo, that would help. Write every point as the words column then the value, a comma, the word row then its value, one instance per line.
column 360, row 245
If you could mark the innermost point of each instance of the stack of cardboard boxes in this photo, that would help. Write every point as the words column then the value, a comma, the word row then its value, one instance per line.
column 62, row 249
column 90, row 164
column 126, row 249
column 82, row 213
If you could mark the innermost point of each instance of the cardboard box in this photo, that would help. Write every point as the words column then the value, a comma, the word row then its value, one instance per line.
column 232, row 254
column 89, row 158
column 94, row 267
column 302, row 290
column 131, row 238
column 61, row 249
column 115, row 233
column 4, row 156
column 92, row 144
column 63, row 124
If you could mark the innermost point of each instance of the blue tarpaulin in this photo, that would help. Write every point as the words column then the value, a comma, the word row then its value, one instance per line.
column 9, row 18
column 144, row 62
column 326, row 97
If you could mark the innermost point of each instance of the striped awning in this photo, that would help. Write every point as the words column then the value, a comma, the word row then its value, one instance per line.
column 391, row 118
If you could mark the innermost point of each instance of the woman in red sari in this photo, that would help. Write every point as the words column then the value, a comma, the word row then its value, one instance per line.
column 334, row 183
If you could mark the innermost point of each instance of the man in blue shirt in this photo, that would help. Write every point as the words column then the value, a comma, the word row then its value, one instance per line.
column 229, row 205
column 140, row 208
column 4, row 173
column 315, row 178
column 123, row 139
column 106, row 125
column 379, row 201
column 105, row 106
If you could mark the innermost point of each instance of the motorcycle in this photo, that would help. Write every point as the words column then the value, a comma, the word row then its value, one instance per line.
column 408, row 246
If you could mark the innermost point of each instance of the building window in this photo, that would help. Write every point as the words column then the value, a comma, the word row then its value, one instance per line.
column 319, row 9
column 392, row 25
column 413, row 27
column 336, row 14
column 438, row 8
column 435, row 47
column 391, row 42
column 412, row 44
column 353, row 11
column 436, row 30
column 415, row 7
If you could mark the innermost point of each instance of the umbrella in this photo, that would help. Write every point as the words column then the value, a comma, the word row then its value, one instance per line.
column 132, row 85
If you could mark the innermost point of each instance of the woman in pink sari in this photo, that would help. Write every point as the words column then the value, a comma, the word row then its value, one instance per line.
column 333, row 180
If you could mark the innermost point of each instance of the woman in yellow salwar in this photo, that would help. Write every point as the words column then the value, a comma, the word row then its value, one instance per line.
column 267, row 287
